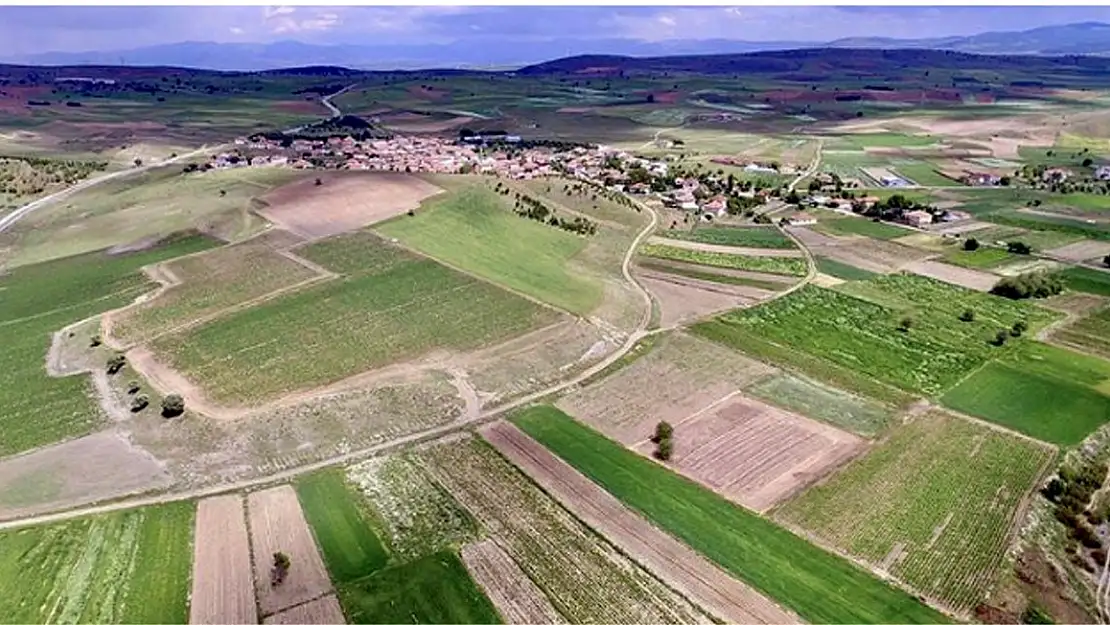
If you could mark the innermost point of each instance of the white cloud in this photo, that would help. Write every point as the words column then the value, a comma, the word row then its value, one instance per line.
column 235, row 30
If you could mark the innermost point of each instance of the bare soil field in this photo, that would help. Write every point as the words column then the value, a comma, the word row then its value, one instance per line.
column 278, row 524
column 682, row 375
column 96, row 467
column 344, row 202
column 862, row 252
column 1023, row 266
column 1003, row 136
column 755, row 454
column 684, row 300
column 676, row 564
column 322, row 611
column 1081, row 250
column 223, row 588
column 515, row 596
column 724, row 271
column 962, row 227
column 1074, row 304
column 960, row 276
column 725, row 249
column 826, row 281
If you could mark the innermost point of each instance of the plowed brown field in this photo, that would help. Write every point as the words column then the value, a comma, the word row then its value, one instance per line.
column 516, row 597
column 322, row 611
column 223, row 590
column 277, row 524
column 676, row 564
column 755, row 454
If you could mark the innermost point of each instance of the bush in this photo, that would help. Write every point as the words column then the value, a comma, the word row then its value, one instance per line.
column 280, row 569
column 971, row 245
column 1017, row 247
column 115, row 363
column 664, row 449
column 1019, row 328
column 1036, row 284
column 905, row 324
column 1106, row 260
column 139, row 402
column 663, row 431
column 95, row 341
column 1000, row 338
column 173, row 405
column 1053, row 489
column 967, row 315
column 133, row 387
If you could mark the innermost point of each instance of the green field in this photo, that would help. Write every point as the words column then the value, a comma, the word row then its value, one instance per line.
column 38, row 300
column 864, row 335
column 342, row 526
column 786, row 266
column 1087, row 280
column 841, row 270
column 982, row 258
column 824, row 403
column 936, row 500
column 393, row 306
column 123, row 567
column 860, row 226
column 1090, row 334
column 756, row 236
column 433, row 589
column 692, row 271
column 883, row 140
column 818, row 585
column 1071, row 228
column 924, row 174
column 1049, row 393
column 470, row 229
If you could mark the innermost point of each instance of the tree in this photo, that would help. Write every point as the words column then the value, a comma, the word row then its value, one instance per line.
column 1018, row 328
column 663, row 431
column 95, row 340
column 115, row 363
column 967, row 315
column 319, row 182
column 1035, row 284
column 138, row 162
column 1087, row 162
column 139, row 402
column 1018, row 247
column 172, row 405
column 1106, row 260
column 133, row 387
column 905, row 324
column 1000, row 338
column 664, row 449
column 280, row 569
column 971, row 244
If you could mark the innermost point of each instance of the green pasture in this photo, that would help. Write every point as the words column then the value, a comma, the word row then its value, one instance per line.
column 1090, row 334
column 824, row 403
column 982, row 258
column 1087, row 280
column 861, row 226
column 781, row 265
column 342, row 525
column 691, row 271
column 841, row 270
column 754, row 236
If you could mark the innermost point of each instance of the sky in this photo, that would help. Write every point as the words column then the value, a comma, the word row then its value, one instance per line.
column 34, row 29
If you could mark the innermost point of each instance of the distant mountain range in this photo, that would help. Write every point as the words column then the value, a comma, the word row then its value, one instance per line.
column 1088, row 38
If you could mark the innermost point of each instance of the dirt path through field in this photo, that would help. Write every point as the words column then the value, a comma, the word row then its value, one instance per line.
column 512, row 592
column 673, row 562
column 223, row 588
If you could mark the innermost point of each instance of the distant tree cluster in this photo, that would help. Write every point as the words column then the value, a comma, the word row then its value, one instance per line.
column 1072, row 491
column 1033, row 284
column 531, row 208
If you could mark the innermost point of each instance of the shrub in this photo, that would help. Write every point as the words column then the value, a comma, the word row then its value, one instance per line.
column 95, row 341
column 172, row 405
column 905, row 324
column 139, row 402
column 1036, row 284
column 971, row 245
column 1017, row 247
column 967, row 315
column 1000, row 338
column 664, row 449
column 133, row 387
column 1106, row 260
column 115, row 363
column 280, row 569
column 663, row 431
column 1053, row 489
column 1019, row 328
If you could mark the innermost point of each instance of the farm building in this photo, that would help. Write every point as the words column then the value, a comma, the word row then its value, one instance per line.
column 918, row 219
column 800, row 219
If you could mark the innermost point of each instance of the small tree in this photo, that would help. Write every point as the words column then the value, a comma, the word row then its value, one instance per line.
column 967, row 315
column 905, row 324
column 280, row 569
column 1018, row 247
column 172, row 405
column 139, row 402
column 664, row 449
column 971, row 244
column 1018, row 328
column 319, row 182
column 1000, row 338
column 95, row 340
column 115, row 363
column 133, row 387
column 1106, row 260
column 663, row 431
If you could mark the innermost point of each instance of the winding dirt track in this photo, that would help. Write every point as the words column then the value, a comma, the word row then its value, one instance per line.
column 676, row 564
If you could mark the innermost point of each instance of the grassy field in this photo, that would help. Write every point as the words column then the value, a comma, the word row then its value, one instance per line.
column 1087, row 280
column 1090, row 334
column 786, row 266
column 841, row 270
column 924, row 174
column 757, row 236
column 824, row 403
column 864, row 335
column 433, row 589
column 153, row 203
column 692, row 271
column 982, row 258
column 342, row 525
column 1072, row 229
column 394, row 306
column 788, row 569
column 1049, row 393
column 210, row 283
column 883, row 140
column 39, row 300
column 933, row 504
column 470, row 229
column 860, row 226
column 123, row 567
column 582, row 198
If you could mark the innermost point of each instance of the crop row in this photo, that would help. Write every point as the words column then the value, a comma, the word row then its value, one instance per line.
column 787, row 266
column 753, row 236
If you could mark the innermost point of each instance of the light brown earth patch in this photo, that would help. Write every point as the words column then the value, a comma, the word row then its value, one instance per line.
column 676, row 564
column 826, row 281
column 959, row 276
column 1075, row 304
column 1081, row 250
column 515, row 596
column 278, row 524
column 322, row 611
column 724, row 249
column 862, row 252
column 724, row 271
column 409, row 122
column 345, row 201
column 100, row 466
column 223, row 588
column 962, row 227
column 755, row 454
column 683, row 300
